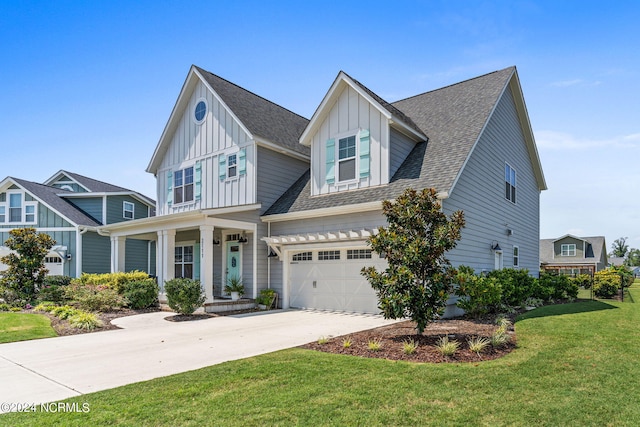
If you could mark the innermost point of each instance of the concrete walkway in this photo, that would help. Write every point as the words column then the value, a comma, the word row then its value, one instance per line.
column 148, row 346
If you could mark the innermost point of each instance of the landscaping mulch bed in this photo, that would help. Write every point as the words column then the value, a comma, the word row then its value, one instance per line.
column 64, row 328
column 392, row 336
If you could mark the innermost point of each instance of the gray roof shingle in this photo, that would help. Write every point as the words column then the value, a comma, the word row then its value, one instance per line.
column 262, row 117
column 597, row 244
column 453, row 118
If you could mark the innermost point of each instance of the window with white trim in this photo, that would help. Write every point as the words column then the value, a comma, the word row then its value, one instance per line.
column 52, row 260
column 183, row 185
column 328, row 255
column 183, row 262
column 359, row 254
column 15, row 209
column 347, row 158
column 568, row 249
column 303, row 256
column 232, row 165
column 128, row 210
column 510, row 183
column 516, row 256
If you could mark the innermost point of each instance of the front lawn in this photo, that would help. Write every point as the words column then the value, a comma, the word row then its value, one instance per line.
column 576, row 364
column 24, row 326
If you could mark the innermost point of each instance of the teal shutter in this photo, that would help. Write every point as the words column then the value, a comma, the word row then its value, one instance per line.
column 242, row 161
column 331, row 160
column 197, row 180
column 364, row 153
column 222, row 166
column 169, row 188
column 196, row 261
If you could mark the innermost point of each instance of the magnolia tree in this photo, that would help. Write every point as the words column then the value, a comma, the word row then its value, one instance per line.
column 418, row 279
column 26, row 271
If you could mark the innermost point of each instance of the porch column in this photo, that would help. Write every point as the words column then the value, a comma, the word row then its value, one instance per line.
column 168, row 251
column 255, row 261
column 160, row 261
column 206, row 260
column 118, row 253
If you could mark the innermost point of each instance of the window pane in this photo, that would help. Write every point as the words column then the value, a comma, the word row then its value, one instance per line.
column 231, row 160
column 178, row 254
column 188, row 193
column 177, row 195
column 188, row 271
column 188, row 175
column 177, row 178
column 232, row 171
column 347, row 170
column 15, row 200
column 513, row 194
column 178, row 271
column 188, row 253
column 347, row 148
column 15, row 214
column 513, row 177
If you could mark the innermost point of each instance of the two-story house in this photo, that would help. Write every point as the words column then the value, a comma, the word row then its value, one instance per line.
column 70, row 208
column 249, row 189
column 573, row 255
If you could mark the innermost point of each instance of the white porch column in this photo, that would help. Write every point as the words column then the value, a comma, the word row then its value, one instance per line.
column 168, row 250
column 160, row 261
column 118, row 253
column 206, row 260
column 255, row 261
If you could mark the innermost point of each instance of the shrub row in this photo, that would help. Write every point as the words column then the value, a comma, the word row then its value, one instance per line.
column 500, row 289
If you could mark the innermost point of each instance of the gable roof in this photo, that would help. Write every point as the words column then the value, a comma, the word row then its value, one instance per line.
column 597, row 243
column 258, row 116
column 50, row 197
column 454, row 118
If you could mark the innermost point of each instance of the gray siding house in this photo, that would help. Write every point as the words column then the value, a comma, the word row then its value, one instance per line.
column 573, row 255
column 249, row 189
column 70, row 208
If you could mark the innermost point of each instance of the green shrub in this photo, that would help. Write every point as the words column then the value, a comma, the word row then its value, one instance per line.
column 606, row 284
column 478, row 295
column 266, row 297
column 54, row 293
column 84, row 320
column 92, row 297
column 115, row 281
column 64, row 312
column 517, row 285
column 555, row 287
column 56, row 280
column 184, row 295
column 45, row 306
column 4, row 307
column 141, row 294
column 583, row 280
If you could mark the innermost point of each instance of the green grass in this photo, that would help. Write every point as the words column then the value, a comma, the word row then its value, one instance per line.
column 575, row 365
column 24, row 326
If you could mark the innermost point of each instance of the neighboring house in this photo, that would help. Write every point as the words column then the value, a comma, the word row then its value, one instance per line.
column 247, row 188
column 573, row 255
column 616, row 261
column 70, row 208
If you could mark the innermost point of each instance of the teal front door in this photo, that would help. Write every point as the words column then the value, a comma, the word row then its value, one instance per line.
column 233, row 261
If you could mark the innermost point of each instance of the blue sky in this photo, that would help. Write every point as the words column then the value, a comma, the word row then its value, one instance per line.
column 89, row 86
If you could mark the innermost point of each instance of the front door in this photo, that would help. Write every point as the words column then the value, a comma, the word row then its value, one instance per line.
column 233, row 261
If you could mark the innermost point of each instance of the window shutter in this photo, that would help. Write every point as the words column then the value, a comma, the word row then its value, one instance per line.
column 197, row 180
column 222, row 166
column 169, row 188
column 331, row 161
column 364, row 153
column 242, row 161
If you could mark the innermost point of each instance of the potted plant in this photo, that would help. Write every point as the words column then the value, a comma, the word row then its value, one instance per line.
column 234, row 287
column 265, row 299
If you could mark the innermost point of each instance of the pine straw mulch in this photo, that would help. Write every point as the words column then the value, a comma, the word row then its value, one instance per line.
column 392, row 337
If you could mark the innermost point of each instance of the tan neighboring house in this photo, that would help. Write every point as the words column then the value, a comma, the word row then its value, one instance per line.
column 573, row 255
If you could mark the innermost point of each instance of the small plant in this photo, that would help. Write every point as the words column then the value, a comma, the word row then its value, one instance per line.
column 84, row 320
column 45, row 306
column 323, row 340
column 533, row 302
column 184, row 295
column 478, row 344
column 375, row 344
column 64, row 312
column 266, row 297
column 446, row 347
column 234, row 284
column 500, row 338
column 503, row 323
column 4, row 307
column 15, row 309
column 346, row 343
column 409, row 346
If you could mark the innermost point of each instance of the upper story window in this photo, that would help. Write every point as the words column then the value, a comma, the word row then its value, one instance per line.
column 200, row 111
column 128, row 210
column 516, row 256
column 347, row 158
column 510, row 183
column 232, row 166
column 183, row 185
column 568, row 249
column 15, row 209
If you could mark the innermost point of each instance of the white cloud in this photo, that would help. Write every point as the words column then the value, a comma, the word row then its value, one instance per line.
column 552, row 140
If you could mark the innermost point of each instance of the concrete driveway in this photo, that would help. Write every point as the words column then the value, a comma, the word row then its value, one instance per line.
column 148, row 347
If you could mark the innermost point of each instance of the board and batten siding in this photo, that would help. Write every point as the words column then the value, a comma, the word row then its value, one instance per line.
column 219, row 133
column 348, row 115
column 91, row 206
column 401, row 146
column 96, row 253
column 480, row 194
column 276, row 172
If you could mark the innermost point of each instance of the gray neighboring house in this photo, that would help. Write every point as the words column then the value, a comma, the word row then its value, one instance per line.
column 573, row 255
column 70, row 208
column 248, row 189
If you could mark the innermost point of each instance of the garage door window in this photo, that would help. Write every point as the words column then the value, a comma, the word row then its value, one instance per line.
column 328, row 255
column 359, row 254
column 303, row 256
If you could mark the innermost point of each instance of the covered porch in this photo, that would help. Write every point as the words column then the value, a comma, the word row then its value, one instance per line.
column 198, row 245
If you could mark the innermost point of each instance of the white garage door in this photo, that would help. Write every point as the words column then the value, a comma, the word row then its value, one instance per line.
column 331, row 280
